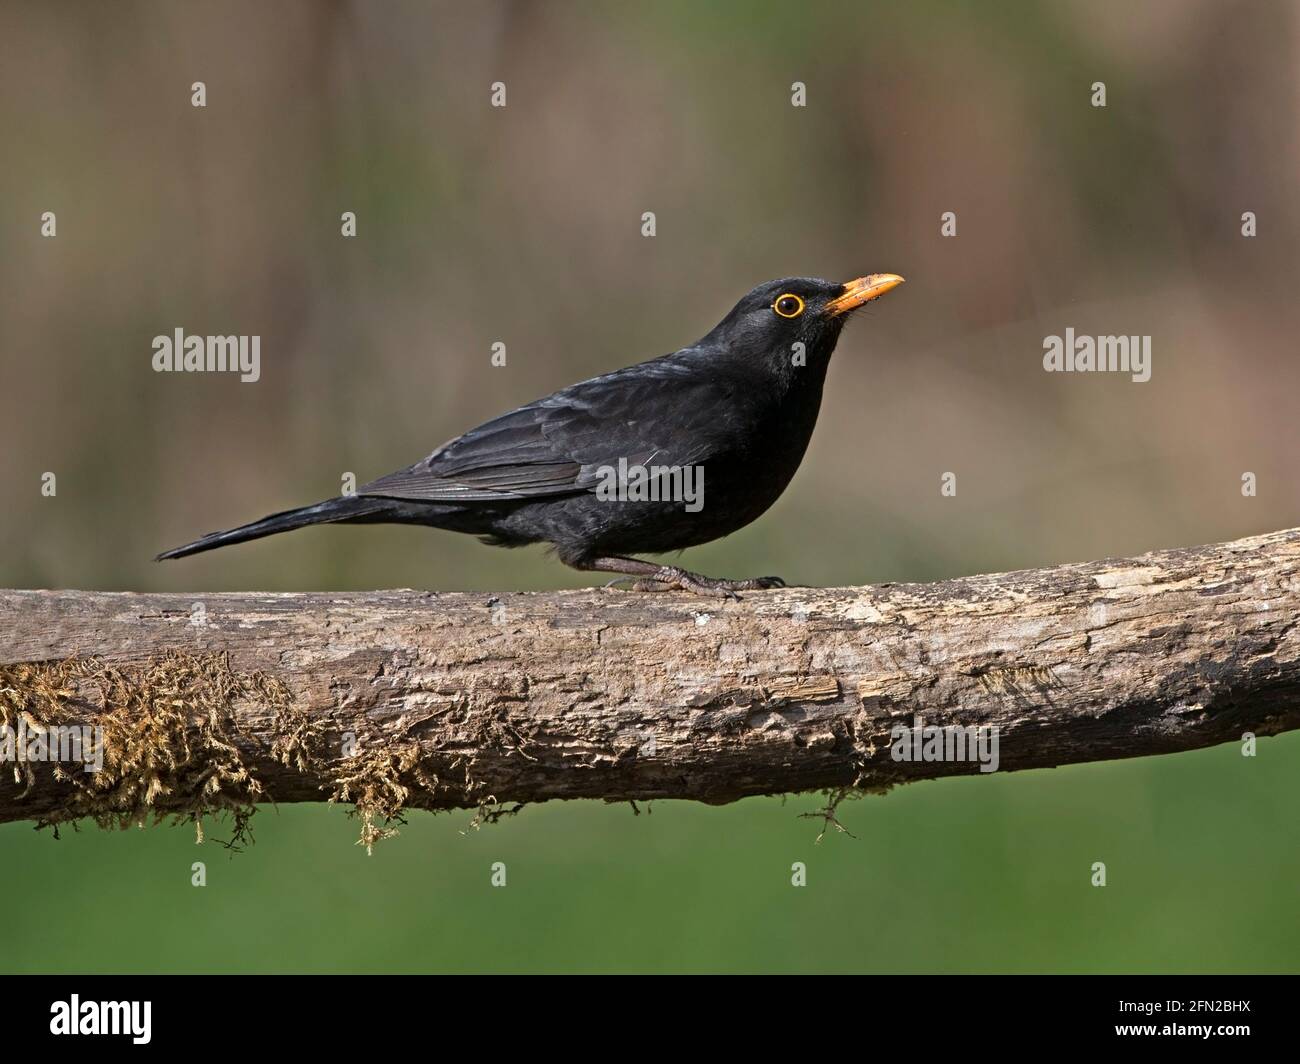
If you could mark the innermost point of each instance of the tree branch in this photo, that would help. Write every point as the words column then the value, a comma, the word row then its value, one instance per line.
column 401, row 699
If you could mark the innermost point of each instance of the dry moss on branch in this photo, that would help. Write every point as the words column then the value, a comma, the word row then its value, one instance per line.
column 379, row 783
column 173, row 747
column 171, row 744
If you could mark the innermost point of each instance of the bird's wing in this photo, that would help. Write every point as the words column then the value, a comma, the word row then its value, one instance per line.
column 662, row 412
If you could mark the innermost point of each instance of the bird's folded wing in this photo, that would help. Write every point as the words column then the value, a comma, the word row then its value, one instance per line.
column 490, row 483
column 559, row 445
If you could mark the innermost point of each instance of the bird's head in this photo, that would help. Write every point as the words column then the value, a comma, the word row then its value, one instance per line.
column 770, row 322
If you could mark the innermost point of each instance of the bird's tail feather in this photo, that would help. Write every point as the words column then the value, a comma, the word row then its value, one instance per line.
column 344, row 508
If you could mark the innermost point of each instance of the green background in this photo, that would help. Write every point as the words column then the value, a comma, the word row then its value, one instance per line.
column 522, row 226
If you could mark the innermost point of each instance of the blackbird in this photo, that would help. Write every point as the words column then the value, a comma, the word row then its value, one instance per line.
column 663, row 455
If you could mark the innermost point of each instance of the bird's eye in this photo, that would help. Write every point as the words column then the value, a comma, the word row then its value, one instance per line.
column 788, row 306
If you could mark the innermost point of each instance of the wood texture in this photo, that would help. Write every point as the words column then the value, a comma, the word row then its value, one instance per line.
column 466, row 700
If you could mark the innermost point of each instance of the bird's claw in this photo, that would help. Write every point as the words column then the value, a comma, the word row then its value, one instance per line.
column 671, row 579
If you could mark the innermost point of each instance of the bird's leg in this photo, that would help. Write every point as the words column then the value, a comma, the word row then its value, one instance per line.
column 646, row 576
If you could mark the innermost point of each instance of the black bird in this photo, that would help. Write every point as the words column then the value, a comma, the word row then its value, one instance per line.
column 614, row 466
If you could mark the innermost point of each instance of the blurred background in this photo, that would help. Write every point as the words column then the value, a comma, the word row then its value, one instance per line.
column 522, row 225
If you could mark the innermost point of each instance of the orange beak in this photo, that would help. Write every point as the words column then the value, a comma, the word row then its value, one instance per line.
column 863, row 290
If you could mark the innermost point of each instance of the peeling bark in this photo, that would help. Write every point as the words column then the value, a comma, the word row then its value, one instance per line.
column 465, row 700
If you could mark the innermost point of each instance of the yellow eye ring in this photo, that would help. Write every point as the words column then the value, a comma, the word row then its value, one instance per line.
column 788, row 305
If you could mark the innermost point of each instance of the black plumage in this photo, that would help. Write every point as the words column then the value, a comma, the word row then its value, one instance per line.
column 738, row 407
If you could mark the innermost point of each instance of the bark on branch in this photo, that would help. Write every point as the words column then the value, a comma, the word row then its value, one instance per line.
column 411, row 699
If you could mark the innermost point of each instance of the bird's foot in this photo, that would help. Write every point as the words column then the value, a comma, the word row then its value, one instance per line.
column 671, row 578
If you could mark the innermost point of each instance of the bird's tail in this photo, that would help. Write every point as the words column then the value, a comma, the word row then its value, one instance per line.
column 344, row 508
